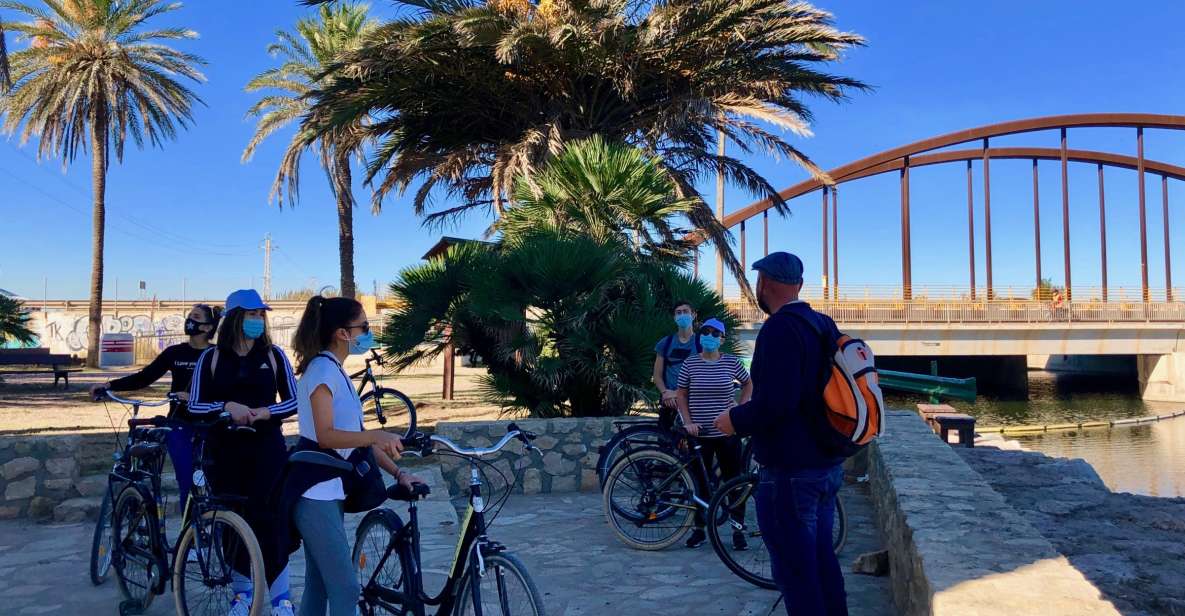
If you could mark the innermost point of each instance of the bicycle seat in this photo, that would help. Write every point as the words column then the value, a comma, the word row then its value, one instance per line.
column 321, row 459
column 152, row 435
column 144, row 450
column 401, row 492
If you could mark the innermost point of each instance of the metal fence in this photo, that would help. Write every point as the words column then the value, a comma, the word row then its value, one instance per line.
column 1000, row 311
column 147, row 347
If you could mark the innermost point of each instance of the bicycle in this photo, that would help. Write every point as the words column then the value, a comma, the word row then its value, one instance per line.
column 124, row 462
column 214, row 548
column 632, row 434
column 752, row 564
column 380, row 401
column 484, row 578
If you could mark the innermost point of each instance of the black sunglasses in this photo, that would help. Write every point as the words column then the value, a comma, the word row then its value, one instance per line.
column 708, row 331
column 365, row 327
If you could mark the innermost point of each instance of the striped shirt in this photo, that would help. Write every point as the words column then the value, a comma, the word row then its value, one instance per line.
column 711, row 387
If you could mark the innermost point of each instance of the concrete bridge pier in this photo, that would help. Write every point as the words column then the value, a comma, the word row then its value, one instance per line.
column 1162, row 377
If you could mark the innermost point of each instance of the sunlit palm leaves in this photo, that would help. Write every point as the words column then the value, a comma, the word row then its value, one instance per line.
column 14, row 322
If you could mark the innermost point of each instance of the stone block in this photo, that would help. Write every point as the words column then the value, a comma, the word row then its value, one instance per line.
column 41, row 508
column 18, row 490
column 65, row 445
column 62, row 467
column 546, row 442
column 532, row 481
column 554, row 464
column 9, row 512
column 589, row 482
column 563, row 483
column 872, row 563
column 574, row 437
column 59, row 487
column 574, row 451
column 15, row 469
column 77, row 510
column 564, row 426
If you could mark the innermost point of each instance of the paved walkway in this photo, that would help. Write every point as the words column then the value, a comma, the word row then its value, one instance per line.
column 576, row 561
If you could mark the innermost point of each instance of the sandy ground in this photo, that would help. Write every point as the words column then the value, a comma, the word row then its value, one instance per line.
column 29, row 404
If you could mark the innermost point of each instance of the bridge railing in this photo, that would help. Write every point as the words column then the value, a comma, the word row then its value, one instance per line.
column 982, row 311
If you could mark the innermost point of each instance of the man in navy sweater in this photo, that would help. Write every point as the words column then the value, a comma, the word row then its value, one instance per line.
column 799, row 479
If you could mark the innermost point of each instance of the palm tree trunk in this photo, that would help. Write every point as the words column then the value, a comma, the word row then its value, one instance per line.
column 99, row 188
column 345, row 222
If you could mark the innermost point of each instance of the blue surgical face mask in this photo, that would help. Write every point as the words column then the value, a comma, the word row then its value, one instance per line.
column 683, row 321
column 710, row 344
column 253, row 327
column 362, row 343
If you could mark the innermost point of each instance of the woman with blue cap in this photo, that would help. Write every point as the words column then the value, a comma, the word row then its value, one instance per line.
column 250, row 378
column 707, row 388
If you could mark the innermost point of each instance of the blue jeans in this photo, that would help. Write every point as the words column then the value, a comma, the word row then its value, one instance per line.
column 796, row 514
column 180, row 446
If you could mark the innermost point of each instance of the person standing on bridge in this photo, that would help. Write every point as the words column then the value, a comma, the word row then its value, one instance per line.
column 178, row 359
column 799, row 478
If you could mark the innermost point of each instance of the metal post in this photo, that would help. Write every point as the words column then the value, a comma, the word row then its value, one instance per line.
column 1103, row 230
column 765, row 223
column 826, row 265
column 1037, row 226
column 971, row 230
column 720, row 210
column 987, row 217
column 906, row 264
column 450, row 368
column 1143, row 214
column 744, row 261
column 835, row 242
column 1168, row 262
column 1066, row 216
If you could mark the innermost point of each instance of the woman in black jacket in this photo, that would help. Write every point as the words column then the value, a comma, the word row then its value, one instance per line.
column 250, row 378
column 179, row 359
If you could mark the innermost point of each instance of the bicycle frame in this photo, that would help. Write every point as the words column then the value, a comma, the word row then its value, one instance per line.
column 686, row 460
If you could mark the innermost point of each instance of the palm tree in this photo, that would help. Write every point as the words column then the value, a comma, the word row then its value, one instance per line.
column 96, row 74
column 5, row 81
column 469, row 94
column 14, row 321
column 305, row 56
column 610, row 192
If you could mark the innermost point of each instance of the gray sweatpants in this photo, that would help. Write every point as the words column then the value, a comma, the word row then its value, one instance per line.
column 330, row 576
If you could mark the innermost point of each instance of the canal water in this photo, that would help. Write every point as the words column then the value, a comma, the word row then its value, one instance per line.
column 1147, row 459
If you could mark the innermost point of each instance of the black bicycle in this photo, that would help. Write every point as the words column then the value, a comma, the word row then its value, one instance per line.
column 216, row 559
column 733, row 511
column 639, row 433
column 485, row 579
column 384, row 401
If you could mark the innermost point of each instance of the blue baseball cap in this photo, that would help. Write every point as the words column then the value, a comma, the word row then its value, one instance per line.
column 781, row 266
column 714, row 324
column 247, row 299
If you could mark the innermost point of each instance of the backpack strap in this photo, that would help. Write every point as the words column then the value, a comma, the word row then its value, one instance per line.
column 214, row 361
column 826, row 346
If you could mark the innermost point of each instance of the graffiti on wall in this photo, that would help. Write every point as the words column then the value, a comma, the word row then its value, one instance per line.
column 66, row 332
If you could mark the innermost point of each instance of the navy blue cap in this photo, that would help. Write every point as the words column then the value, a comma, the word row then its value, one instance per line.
column 781, row 266
column 714, row 324
column 247, row 299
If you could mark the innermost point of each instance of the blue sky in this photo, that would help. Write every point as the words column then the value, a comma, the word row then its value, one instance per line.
column 192, row 214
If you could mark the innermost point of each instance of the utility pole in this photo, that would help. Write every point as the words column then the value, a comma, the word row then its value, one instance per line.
column 267, row 266
column 720, row 210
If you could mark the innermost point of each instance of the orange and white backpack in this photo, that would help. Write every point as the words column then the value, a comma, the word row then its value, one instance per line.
column 852, row 413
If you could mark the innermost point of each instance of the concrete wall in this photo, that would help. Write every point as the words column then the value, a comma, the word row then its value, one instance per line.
column 1114, row 365
column 1162, row 377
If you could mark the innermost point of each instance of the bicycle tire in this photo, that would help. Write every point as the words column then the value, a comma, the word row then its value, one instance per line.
column 610, row 452
column 370, row 543
column 839, row 532
column 101, row 542
column 497, row 566
column 135, row 506
column 236, row 523
column 676, row 518
column 394, row 405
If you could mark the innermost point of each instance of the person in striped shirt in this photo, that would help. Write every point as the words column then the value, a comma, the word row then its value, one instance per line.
column 707, row 388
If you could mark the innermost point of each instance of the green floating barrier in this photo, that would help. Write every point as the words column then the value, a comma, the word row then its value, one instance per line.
column 928, row 385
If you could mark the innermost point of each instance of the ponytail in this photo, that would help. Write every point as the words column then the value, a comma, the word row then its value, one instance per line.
column 322, row 317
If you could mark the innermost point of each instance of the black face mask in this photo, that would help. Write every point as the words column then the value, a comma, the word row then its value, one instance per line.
column 191, row 327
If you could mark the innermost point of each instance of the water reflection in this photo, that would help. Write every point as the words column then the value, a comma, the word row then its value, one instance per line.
column 1147, row 459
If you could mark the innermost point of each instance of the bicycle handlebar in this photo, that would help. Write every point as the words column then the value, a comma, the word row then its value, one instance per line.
column 423, row 443
column 171, row 397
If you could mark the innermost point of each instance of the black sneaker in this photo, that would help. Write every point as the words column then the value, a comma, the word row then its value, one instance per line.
column 697, row 538
column 739, row 543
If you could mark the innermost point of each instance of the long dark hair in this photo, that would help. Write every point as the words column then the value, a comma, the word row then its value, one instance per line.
column 213, row 315
column 322, row 317
column 231, row 332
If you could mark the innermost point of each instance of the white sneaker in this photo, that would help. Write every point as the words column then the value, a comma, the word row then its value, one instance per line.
column 283, row 608
column 240, row 606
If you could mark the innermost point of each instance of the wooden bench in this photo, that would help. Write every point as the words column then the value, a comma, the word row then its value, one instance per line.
column 37, row 361
column 963, row 424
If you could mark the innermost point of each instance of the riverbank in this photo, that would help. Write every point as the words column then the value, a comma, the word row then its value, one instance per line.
column 1130, row 547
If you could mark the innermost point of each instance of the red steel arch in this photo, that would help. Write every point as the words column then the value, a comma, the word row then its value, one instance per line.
column 919, row 153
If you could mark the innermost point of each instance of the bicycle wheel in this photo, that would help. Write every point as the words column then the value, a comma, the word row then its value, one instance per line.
column 648, row 499
column 101, row 542
column 733, row 511
column 506, row 589
column 839, row 531
column 396, row 407
column 223, row 546
column 371, row 544
column 136, row 553
column 641, row 435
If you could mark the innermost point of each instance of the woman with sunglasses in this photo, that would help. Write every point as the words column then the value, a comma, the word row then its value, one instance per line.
column 250, row 378
column 707, row 388
column 331, row 420
column 179, row 360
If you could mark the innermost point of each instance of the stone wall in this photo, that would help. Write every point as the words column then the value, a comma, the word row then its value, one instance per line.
column 37, row 474
column 569, row 449
column 955, row 545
